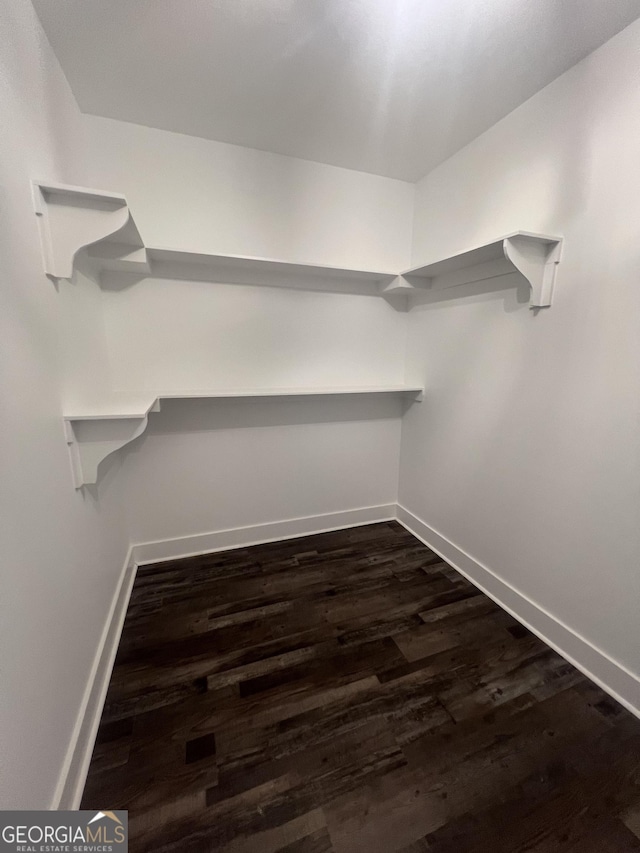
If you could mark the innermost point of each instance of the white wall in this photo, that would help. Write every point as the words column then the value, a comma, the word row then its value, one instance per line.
column 203, row 467
column 178, row 335
column 61, row 552
column 208, row 466
column 194, row 194
column 83, row 357
column 525, row 453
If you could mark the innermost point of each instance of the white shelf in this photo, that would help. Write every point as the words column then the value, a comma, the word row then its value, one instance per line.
column 230, row 267
column 74, row 218
column 96, row 433
column 533, row 256
column 127, row 408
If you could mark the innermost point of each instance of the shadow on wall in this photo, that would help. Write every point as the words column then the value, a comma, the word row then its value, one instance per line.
column 191, row 416
column 183, row 416
column 116, row 282
column 512, row 289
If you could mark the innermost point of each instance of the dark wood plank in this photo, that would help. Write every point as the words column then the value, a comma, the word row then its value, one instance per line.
column 350, row 691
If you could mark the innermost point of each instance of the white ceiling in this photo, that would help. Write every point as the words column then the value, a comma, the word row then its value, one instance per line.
column 386, row 86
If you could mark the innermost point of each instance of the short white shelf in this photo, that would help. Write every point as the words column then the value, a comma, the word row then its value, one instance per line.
column 96, row 433
column 229, row 269
column 535, row 257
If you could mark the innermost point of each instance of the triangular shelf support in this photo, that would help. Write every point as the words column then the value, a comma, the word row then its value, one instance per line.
column 537, row 259
column 73, row 218
column 91, row 438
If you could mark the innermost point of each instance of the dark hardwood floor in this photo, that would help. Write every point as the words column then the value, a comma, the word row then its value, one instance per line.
column 351, row 692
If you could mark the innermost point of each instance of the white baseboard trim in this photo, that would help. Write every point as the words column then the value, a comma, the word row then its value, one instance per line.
column 258, row 534
column 73, row 775
column 76, row 765
column 608, row 673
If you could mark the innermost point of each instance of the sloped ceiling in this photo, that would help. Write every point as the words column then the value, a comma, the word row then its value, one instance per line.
column 391, row 87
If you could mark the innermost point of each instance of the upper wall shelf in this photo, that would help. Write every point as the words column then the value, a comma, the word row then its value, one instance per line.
column 73, row 218
column 230, row 268
column 94, row 434
column 533, row 256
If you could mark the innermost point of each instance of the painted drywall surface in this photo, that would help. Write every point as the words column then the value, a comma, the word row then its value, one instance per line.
column 205, row 466
column 176, row 335
column 61, row 551
column 201, row 466
column 180, row 335
column 197, row 195
column 525, row 452
column 83, row 360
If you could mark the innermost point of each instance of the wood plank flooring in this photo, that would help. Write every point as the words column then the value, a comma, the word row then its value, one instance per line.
column 351, row 692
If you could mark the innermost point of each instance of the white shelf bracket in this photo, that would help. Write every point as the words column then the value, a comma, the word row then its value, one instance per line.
column 397, row 285
column 537, row 260
column 91, row 440
column 72, row 218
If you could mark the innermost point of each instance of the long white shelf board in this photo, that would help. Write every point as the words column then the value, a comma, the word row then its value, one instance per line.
column 139, row 409
column 253, row 265
column 533, row 256
column 159, row 262
column 96, row 433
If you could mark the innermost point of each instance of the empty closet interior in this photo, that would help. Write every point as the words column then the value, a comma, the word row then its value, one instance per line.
column 310, row 302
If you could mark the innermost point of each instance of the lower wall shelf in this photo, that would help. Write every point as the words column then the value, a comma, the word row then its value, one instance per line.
column 93, row 435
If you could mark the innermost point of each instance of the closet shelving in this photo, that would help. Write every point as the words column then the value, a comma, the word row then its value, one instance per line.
column 534, row 256
column 72, row 219
column 96, row 433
